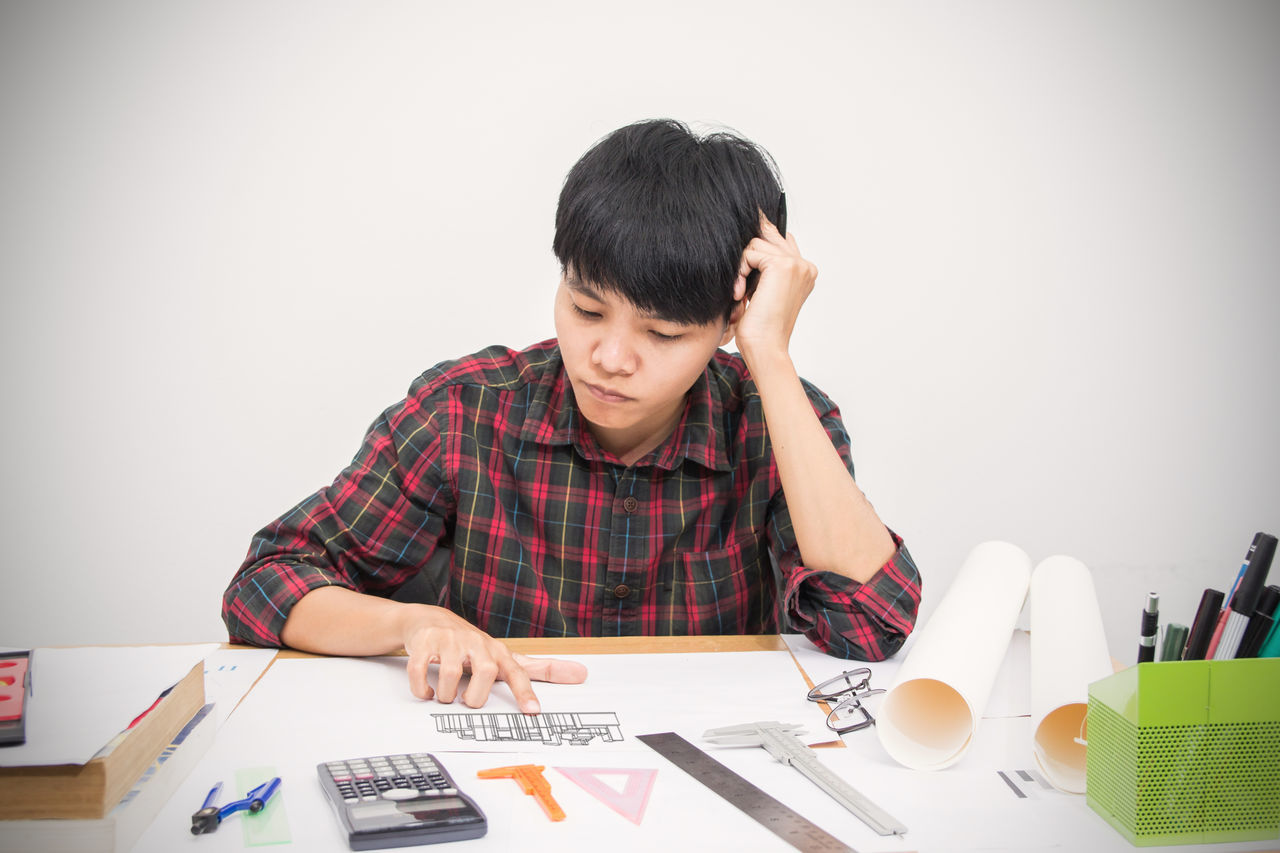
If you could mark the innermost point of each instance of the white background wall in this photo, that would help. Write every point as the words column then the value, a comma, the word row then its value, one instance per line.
column 231, row 233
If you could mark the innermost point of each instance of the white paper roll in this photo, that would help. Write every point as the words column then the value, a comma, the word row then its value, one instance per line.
column 1068, row 651
column 930, row 713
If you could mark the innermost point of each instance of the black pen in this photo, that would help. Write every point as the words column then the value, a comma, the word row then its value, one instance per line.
column 1259, row 623
column 1150, row 626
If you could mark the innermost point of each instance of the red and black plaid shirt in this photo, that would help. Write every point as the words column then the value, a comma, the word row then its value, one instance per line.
column 550, row 535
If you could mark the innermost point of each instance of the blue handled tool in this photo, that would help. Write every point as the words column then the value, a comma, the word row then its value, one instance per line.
column 210, row 815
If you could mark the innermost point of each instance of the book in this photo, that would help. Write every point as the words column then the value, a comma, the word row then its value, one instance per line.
column 91, row 790
column 120, row 830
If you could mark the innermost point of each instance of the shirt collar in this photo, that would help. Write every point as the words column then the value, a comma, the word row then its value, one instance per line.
column 553, row 418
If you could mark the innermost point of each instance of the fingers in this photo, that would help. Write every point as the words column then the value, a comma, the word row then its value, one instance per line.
column 455, row 657
column 448, row 677
column 483, row 673
column 417, row 672
column 770, row 247
column 552, row 670
column 518, row 680
column 768, row 230
column 770, row 234
column 457, row 647
column 468, row 663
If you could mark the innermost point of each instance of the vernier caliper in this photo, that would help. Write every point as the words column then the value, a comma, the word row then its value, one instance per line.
column 781, row 742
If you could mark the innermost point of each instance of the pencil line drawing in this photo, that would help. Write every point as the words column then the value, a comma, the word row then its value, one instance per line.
column 552, row 729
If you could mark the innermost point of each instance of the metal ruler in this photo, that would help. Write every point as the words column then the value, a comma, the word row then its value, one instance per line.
column 789, row 825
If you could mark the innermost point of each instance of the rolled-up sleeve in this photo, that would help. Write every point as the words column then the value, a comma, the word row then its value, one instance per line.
column 864, row 621
column 371, row 530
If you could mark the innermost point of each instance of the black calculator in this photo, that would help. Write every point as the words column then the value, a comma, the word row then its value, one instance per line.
column 399, row 801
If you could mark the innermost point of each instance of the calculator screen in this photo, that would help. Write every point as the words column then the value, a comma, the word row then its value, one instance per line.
column 420, row 808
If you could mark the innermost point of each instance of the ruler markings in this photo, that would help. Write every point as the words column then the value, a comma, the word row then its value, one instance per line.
column 780, row 819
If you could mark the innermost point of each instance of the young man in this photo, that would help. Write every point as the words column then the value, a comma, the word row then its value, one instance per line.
column 627, row 477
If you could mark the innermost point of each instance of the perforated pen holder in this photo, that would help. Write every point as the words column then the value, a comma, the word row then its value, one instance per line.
column 1187, row 752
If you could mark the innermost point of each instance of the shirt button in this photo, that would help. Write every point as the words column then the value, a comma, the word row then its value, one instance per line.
column 621, row 591
column 629, row 503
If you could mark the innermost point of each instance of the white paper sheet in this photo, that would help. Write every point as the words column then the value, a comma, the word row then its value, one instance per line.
column 83, row 697
column 296, row 702
column 1068, row 651
column 681, row 813
column 969, row 808
column 930, row 714
column 228, row 675
column 305, row 711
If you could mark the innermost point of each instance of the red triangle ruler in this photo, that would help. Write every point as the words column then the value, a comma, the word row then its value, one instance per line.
column 630, row 802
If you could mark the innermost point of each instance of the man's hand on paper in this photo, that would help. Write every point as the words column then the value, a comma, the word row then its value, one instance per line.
column 441, row 637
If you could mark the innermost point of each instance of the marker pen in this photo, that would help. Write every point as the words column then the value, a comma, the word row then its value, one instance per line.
column 1150, row 627
column 1271, row 645
column 1245, row 601
column 1259, row 623
column 1202, row 627
column 1175, row 640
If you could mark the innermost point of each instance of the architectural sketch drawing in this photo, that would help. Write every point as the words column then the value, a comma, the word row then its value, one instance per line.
column 549, row 728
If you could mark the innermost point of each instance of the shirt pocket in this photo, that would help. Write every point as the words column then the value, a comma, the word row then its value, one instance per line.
column 727, row 591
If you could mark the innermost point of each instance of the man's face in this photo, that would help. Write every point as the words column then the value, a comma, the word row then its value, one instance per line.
column 630, row 370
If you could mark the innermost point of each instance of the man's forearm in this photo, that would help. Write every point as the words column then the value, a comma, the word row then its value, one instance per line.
column 334, row 620
column 836, row 527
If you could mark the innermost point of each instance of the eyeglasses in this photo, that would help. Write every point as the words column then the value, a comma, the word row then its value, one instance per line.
column 844, row 695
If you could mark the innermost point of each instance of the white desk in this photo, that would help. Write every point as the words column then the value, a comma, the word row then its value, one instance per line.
column 301, row 713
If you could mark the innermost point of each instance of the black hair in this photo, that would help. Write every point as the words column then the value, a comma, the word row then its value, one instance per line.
column 660, row 216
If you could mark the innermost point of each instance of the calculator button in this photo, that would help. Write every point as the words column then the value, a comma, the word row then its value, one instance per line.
column 400, row 794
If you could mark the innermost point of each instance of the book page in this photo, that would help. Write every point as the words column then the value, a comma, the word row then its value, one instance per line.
column 81, row 698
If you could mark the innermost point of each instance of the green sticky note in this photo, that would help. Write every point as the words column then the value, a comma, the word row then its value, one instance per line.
column 271, row 825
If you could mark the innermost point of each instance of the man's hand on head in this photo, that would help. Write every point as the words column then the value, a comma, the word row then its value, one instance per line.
column 435, row 635
column 766, row 320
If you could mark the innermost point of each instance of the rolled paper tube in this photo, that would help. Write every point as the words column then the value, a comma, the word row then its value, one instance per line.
column 929, row 715
column 1068, row 652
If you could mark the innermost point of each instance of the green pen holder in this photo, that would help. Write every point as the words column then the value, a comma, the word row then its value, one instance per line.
column 1187, row 752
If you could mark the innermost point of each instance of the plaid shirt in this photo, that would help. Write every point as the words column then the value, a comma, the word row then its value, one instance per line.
column 551, row 535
